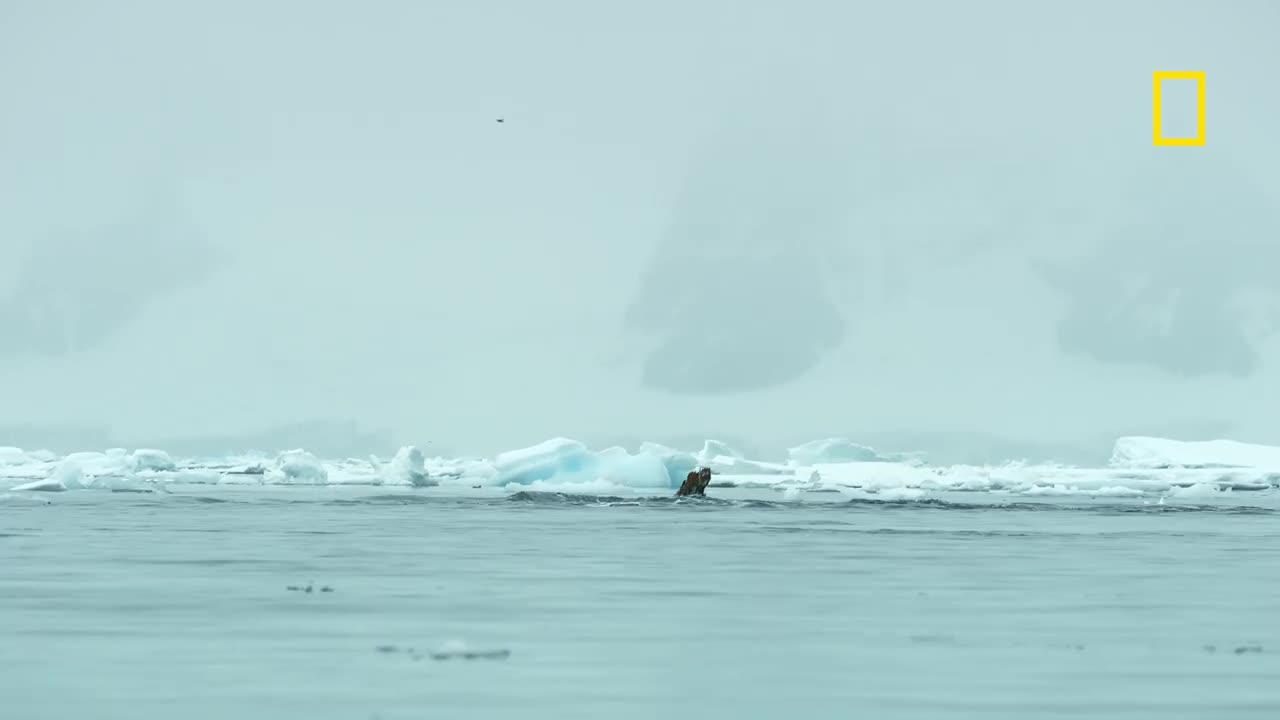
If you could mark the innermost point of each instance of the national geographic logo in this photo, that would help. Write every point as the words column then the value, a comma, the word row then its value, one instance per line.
column 1198, row 77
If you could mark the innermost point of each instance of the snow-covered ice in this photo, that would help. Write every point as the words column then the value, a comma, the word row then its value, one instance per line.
column 1150, row 452
column 158, row 460
column 408, row 467
column 297, row 467
column 831, row 450
column 561, row 460
column 831, row 467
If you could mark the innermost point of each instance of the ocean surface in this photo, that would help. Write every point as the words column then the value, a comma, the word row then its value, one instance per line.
column 449, row 603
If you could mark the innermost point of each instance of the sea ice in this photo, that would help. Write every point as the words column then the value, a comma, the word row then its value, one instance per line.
column 1149, row 452
column 561, row 460
column 408, row 467
column 832, row 451
column 12, row 456
column 156, row 460
column 297, row 467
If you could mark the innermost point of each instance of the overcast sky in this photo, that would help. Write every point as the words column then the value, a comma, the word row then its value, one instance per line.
column 777, row 219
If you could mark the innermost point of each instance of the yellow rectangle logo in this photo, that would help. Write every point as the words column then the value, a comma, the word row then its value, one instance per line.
column 1198, row 76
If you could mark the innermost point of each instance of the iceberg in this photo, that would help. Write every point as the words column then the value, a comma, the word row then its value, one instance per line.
column 560, row 458
column 677, row 462
column 563, row 461
column 156, row 460
column 12, row 456
column 1159, row 453
column 67, row 475
column 297, row 467
column 832, row 451
column 715, row 448
column 725, row 460
column 408, row 467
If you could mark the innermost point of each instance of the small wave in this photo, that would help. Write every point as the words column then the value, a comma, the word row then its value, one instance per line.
column 391, row 499
column 560, row 498
column 1096, row 508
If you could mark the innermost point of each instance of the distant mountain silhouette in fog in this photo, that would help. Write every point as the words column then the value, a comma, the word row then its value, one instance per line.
column 1174, row 282
column 75, row 291
column 735, row 297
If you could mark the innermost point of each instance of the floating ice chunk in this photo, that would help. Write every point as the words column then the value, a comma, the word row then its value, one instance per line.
column 68, row 475
column 678, row 463
column 197, row 476
column 900, row 493
column 97, row 464
column 253, row 468
column 156, row 460
column 1149, row 452
column 880, row 475
column 1197, row 491
column 408, row 467
column 832, row 451
column 297, row 467
column 1116, row 491
column 724, row 460
column 469, row 471
column 562, row 461
column 1052, row 491
column 725, row 465
column 17, row 464
column 46, row 485
column 560, row 458
column 12, row 456
column 637, row 471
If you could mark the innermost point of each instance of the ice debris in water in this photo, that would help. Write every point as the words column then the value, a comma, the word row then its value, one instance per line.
column 457, row 649
column 408, row 467
column 67, row 475
column 1153, row 468
column 297, row 467
column 157, row 460
column 568, row 461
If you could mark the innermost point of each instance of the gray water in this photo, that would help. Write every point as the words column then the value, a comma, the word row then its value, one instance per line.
column 141, row 606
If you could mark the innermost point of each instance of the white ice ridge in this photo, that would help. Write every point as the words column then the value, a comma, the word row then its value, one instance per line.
column 1139, row 467
column 1150, row 452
